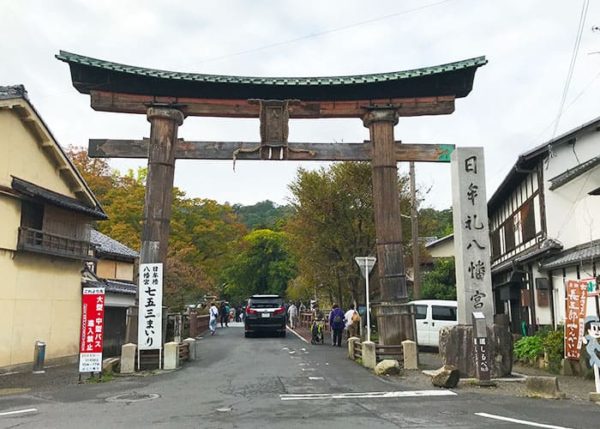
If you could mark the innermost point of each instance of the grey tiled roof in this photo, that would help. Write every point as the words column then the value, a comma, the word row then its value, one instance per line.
column 32, row 190
column 574, row 172
column 15, row 91
column 108, row 246
column 588, row 252
column 120, row 287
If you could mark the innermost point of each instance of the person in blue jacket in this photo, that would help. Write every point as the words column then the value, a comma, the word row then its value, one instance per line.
column 337, row 323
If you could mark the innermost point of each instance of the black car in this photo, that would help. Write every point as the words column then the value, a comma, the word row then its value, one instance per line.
column 265, row 313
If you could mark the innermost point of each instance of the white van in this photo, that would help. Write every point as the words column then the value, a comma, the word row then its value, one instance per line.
column 431, row 316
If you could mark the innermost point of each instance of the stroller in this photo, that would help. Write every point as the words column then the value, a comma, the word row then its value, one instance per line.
column 317, row 331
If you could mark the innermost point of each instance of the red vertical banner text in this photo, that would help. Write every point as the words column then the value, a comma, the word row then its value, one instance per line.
column 575, row 308
column 92, row 330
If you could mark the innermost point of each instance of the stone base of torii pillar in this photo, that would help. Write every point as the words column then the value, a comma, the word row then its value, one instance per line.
column 395, row 322
column 457, row 349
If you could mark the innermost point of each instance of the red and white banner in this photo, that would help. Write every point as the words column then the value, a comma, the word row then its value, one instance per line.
column 575, row 302
column 92, row 329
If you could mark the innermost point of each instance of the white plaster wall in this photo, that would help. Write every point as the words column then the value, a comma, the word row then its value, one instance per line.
column 573, row 216
column 118, row 300
column 443, row 250
column 559, row 291
column 542, row 314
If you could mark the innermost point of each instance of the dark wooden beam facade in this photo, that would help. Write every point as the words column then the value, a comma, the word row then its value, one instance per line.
column 132, row 103
column 108, row 148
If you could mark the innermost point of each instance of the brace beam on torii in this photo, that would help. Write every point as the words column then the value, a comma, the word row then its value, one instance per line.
column 280, row 151
column 378, row 100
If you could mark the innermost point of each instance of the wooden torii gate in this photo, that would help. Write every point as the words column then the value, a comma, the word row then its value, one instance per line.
column 166, row 98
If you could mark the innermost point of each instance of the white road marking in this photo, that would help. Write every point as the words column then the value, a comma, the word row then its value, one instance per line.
column 368, row 395
column 316, row 378
column 522, row 422
column 296, row 334
column 12, row 413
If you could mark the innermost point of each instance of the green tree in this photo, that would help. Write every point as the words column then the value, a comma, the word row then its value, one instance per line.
column 333, row 222
column 95, row 171
column 440, row 283
column 263, row 215
column 264, row 265
column 435, row 223
column 204, row 236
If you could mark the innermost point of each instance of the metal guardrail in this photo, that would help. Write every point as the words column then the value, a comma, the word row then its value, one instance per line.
column 34, row 240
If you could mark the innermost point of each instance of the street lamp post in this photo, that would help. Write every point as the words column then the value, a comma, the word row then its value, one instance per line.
column 366, row 264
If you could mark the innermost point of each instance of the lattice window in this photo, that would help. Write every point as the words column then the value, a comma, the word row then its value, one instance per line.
column 496, row 244
column 509, row 234
column 528, row 221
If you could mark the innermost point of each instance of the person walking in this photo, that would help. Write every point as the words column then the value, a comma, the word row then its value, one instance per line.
column 336, row 322
column 292, row 315
column 213, row 312
column 223, row 314
column 352, row 321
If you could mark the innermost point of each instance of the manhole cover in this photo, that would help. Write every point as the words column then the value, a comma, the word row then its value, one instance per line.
column 133, row 397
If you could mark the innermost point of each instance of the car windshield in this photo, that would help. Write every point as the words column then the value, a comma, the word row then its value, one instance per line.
column 265, row 302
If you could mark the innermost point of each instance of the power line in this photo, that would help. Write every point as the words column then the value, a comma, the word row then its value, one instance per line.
column 321, row 33
column 571, row 103
column 574, row 53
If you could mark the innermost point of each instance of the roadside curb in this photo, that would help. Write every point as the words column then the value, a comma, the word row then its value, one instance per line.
column 297, row 334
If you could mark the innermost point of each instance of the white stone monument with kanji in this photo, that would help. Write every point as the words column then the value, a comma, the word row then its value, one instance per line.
column 471, row 236
column 474, row 292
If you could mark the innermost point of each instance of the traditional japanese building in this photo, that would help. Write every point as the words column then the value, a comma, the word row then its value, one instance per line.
column 46, row 210
column 544, row 228
column 113, row 269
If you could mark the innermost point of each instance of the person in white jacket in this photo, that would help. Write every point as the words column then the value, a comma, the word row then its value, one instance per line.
column 214, row 314
column 292, row 315
column 352, row 322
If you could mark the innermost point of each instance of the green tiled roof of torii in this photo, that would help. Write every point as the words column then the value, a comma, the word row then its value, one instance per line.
column 447, row 79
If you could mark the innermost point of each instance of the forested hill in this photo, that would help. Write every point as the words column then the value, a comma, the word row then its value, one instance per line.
column 262, row 215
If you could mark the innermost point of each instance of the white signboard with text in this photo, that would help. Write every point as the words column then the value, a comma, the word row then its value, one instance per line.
column 150, row 307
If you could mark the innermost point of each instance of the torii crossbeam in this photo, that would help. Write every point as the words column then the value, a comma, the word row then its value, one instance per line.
column 378, row 99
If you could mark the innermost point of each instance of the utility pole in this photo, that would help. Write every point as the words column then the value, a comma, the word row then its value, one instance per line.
column 414, row 221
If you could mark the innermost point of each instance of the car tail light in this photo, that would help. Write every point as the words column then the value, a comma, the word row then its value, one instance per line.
column 280, row 310
column 250, row 311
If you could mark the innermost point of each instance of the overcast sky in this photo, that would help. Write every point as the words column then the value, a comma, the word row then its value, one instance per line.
column 512, row 107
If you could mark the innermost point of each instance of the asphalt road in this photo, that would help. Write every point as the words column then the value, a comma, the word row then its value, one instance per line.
column 278, row 383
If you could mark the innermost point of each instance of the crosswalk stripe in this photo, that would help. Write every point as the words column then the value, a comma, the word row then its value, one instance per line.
column 367, row 395
column 11, row 413
column 521, row 422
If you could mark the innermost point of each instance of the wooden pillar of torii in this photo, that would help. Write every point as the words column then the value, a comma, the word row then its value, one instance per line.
column 379, row 100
